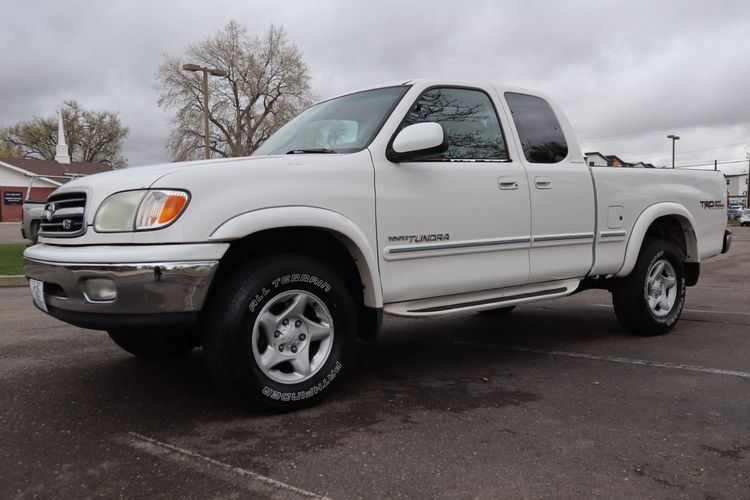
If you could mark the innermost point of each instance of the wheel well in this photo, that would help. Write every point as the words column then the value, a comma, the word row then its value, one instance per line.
column 679, row 232
column 675, row 230
column 317, row 244
column 314, row 243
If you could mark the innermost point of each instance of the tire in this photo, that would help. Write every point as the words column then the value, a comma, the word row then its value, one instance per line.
column 499, row 312
column 152, row 344
column 34, row 230
column 650, row 300
column 279, row 333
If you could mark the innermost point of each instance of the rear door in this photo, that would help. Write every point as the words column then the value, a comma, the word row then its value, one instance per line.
column 561, row 188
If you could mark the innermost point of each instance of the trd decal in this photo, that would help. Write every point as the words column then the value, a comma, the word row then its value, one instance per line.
column 712, row 205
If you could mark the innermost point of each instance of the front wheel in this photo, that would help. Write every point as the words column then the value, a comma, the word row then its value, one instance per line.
column 650, row 300
column 280, row 332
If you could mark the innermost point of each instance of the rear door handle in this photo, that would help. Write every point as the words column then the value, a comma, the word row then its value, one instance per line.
column 507, row 183
column 543, row 182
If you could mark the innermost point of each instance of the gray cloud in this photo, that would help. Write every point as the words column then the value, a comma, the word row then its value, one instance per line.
column 626, row 73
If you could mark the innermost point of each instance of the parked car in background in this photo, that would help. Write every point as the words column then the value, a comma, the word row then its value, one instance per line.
column 734, row 212
column 745, row 218
column 31, row 217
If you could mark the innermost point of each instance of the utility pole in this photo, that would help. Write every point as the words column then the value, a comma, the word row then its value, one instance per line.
column 674, row 138
column 206, row 71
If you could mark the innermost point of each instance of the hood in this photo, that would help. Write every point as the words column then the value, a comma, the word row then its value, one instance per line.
column 223, row 189
column 136, row 177
column 216, row 176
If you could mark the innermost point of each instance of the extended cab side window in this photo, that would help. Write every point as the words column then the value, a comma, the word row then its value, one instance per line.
column 541, row 136
column 468, row 117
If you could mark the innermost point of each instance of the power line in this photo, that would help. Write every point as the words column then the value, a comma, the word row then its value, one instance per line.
column 745, row 118
column 679, row 152
column 724, row 162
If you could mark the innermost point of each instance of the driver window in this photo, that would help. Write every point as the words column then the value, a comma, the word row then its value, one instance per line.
column 469, row 118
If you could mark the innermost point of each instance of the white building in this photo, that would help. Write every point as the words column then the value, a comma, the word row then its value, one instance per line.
column 737, row 188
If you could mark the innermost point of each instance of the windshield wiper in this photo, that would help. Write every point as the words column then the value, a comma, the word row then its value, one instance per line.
column 303, row 151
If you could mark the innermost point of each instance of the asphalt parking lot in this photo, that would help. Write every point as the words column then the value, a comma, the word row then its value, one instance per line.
column 552, row 401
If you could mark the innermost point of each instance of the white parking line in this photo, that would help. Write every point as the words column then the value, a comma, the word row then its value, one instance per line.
column 700, row 311
column 612, row 359
column 253, row 481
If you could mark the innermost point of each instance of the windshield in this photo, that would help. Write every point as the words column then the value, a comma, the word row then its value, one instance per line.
column 341, row 125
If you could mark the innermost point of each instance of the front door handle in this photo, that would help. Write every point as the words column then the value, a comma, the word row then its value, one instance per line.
column 507, row 183
column 543, row 182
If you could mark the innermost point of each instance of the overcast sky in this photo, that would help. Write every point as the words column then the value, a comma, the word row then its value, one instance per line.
column 627, row 73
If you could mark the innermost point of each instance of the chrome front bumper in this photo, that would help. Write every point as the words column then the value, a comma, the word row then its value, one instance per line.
column 150, row 288
column 157, row 293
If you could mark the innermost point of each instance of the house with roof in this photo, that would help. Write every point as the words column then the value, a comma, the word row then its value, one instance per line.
column 596, row 159
column 15, row 174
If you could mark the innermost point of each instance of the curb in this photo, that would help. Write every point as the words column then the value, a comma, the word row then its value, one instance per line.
column 18, row 280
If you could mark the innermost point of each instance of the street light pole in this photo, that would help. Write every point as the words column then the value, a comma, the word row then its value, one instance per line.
column 205, row 71
column 674, row 138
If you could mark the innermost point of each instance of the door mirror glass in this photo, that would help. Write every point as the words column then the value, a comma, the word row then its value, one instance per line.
column 416, row 140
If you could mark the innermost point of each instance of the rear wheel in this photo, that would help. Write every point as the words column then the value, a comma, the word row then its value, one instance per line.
column 279, row 332
column 155, row 344
column 650, row 300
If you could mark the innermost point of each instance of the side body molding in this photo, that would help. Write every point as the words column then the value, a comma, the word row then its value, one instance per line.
column 341, row 227
column 647, row 217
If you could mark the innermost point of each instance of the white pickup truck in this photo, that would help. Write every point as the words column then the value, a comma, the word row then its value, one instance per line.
column 418, row 198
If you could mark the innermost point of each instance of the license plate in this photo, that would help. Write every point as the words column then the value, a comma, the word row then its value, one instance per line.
column 37, row 293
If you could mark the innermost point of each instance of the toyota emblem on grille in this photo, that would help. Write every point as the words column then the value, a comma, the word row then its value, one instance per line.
column 67, row 224
column 49, row 211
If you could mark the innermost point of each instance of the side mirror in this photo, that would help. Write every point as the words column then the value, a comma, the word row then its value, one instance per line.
column 417, row 140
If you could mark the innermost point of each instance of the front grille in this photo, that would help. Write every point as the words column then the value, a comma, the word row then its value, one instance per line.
column 64, row 216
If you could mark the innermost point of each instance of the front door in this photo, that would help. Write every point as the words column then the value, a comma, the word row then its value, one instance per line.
column 458, row 221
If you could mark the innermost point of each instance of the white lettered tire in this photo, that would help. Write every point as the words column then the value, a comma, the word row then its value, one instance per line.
column 650, row 300
column 280, row 331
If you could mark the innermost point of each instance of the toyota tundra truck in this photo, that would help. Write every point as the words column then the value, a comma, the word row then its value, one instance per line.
column 417, row 198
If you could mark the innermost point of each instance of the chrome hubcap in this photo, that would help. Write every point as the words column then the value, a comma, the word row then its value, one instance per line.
column 661, row 288
column 292, row 337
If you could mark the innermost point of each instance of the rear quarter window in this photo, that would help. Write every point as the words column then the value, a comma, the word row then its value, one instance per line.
column 541, row 136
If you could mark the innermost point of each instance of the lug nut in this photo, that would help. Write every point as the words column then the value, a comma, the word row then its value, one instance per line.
column 277, row 334
column 302, row 336
column 285, row 322
column 281, row 348
column 294, row 348
column 297, row 323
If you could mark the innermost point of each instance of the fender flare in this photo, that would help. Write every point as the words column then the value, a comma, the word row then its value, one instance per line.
column 340, row 226
column 644, row 221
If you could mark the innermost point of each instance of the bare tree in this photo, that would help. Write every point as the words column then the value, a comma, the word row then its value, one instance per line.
column 267, row 84
column 92, row 136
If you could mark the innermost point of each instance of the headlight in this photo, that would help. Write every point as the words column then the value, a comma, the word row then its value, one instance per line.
column 139, row 210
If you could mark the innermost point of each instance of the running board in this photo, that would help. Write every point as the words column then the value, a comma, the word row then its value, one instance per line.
column 479, row 301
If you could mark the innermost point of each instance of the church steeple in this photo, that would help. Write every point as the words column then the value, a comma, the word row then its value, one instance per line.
column 61, row 155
